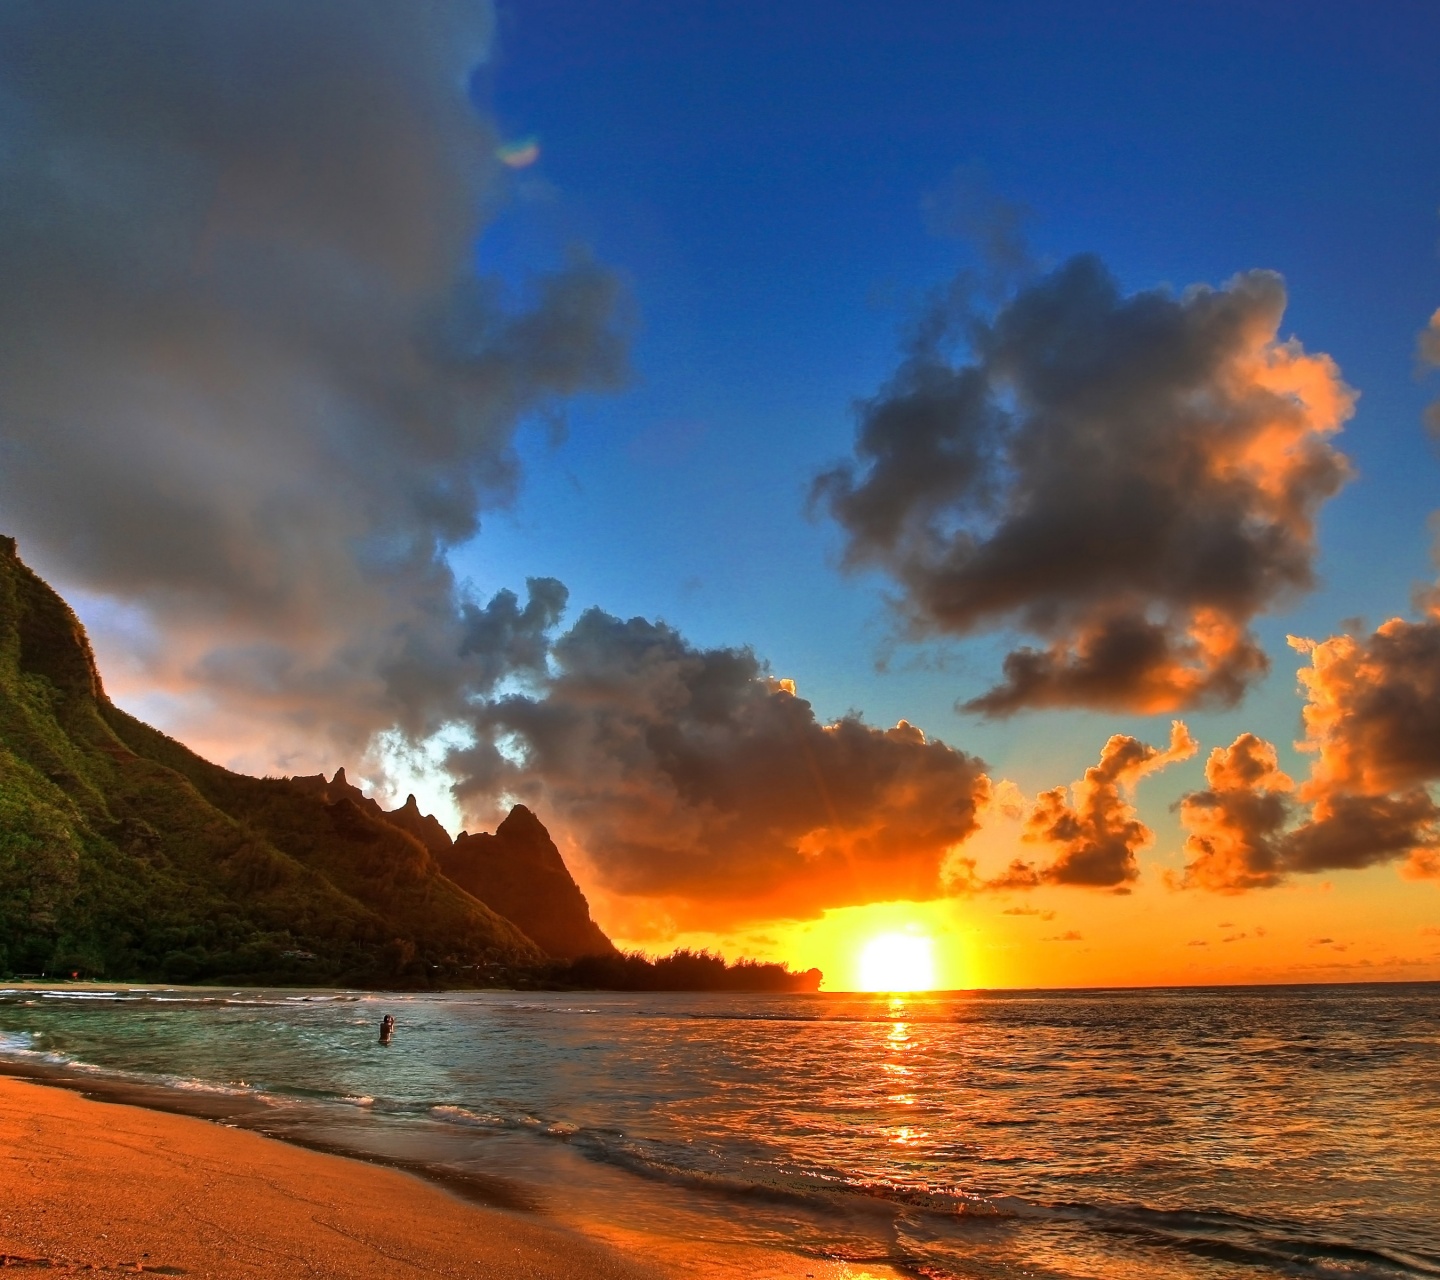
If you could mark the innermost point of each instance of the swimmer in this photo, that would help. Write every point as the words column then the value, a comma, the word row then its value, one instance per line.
column 387, row 1029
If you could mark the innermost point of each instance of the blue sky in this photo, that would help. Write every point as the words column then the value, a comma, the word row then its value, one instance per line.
column 760, row 174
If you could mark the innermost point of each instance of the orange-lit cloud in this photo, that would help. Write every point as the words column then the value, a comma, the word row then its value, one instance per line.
column 1372, row 724
column 1237, row 824
column 1131, row 479
column 694, row 778
column 1093, row 832
column 1372, row 727
column 1372, row 717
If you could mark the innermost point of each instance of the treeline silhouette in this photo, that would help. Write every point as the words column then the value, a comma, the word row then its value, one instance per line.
column 682, row 970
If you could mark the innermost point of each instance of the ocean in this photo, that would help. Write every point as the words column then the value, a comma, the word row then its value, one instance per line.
column 1215, row 1133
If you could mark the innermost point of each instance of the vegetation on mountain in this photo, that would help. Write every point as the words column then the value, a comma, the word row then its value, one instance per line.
column 124, row 854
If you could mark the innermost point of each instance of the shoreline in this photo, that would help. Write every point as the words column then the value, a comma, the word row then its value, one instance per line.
column 244, row 1113
column 112, row 1186
column 219, row 1138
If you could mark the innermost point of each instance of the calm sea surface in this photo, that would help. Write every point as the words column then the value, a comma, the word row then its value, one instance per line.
column 1205, row 1133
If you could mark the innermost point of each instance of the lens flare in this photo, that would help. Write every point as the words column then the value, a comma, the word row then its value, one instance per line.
column 898, row 962
column 520, row 154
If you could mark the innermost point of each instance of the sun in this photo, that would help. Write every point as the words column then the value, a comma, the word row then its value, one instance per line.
column 898, row 962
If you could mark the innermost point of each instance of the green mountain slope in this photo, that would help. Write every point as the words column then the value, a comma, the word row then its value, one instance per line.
column 124, row 854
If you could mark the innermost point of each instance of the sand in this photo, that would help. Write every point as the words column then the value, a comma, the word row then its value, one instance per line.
column 112, row 1188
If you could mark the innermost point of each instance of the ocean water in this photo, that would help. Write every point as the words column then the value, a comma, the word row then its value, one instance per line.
column 1245, row 1132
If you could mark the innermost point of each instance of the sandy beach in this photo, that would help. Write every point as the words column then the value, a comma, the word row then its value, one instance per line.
column 100, row 1186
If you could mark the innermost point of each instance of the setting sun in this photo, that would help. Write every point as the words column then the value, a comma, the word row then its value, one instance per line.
column 897, row 962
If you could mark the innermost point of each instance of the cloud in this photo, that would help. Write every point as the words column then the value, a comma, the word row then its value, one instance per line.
column 1372, row 714
column 1372, row 705
column 1069, row 935
column 1427, row 352
column 1372, row 719
column 694, row 776
column 1236, row 824
column 968, row 207
column 1372, row 728
column 1131, row 479
column 1093, row 832
column 252, row 385
column 1427, row 346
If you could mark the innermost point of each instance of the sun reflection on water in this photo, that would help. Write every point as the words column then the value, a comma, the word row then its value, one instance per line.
column 896, row 1047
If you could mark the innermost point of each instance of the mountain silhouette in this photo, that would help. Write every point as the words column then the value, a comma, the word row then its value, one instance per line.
column 519, row 872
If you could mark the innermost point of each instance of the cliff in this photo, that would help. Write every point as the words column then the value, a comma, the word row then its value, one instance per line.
column 124, row 854
column 519, row 872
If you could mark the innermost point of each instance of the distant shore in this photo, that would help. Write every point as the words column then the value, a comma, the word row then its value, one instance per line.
column 110, row 1187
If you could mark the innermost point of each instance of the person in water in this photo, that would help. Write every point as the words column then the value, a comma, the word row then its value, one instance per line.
column 387, row 1029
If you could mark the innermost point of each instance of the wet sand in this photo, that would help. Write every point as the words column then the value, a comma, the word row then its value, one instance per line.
column 106, row 1187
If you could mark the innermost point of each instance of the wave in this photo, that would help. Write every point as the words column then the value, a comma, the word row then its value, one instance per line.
column 172, row 997
column 1253, row 1241
column 954, row 1213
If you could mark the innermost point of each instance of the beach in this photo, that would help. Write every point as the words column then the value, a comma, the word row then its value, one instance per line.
column 102, row 1186
column 99, row 1186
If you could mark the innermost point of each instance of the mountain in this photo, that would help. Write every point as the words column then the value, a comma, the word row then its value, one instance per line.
column 425, row 828
column 519, row 872
column 123, row 854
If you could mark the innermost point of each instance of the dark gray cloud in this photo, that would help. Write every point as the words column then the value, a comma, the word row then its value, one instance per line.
column 694, row 776
column 1372, row 713
column 249, row 382
column 1348, row 832
column 1131, row 479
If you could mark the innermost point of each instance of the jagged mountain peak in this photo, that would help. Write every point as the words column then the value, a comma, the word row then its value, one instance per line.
column 44, row 636
column 521, row 867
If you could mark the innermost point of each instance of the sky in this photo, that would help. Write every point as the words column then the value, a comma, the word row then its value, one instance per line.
column 851, row 469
